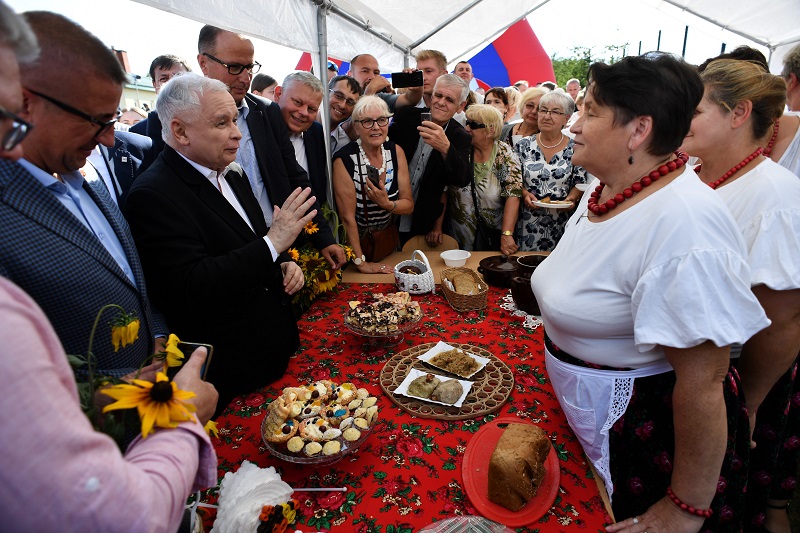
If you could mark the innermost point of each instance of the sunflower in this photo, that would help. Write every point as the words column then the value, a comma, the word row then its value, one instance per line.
column 211, row 428
column 124, row 330
column 161, row 403
column 174, row 354
column 326, row 281
column 294, row 254
column 311, row 228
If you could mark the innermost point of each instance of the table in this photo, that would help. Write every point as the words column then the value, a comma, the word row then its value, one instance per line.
column 407, row 474
column 352, row 275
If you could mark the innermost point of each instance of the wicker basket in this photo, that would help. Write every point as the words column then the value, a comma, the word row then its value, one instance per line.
column 465, row 302
column 415, row 283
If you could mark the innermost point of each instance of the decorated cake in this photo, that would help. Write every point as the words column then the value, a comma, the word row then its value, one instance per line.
column 317, row 419
column 516, row 468
column 383, row 313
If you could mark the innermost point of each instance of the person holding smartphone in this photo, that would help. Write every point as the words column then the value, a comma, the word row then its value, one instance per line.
column 372, row 186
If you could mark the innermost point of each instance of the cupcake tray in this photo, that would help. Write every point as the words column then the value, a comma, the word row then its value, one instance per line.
column 491, row 386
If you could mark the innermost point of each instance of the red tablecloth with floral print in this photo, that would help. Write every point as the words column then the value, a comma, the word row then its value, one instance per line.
column 407, row 474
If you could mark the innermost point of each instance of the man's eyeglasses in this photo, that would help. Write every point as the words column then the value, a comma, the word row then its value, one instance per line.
column 339, row 96
column 102, row 127
column 553, row 112
column 369, row 122
column 235, row 69
column 474, row 125
column 19, row 129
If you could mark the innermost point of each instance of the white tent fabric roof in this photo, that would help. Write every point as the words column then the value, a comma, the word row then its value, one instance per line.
column 455, row 27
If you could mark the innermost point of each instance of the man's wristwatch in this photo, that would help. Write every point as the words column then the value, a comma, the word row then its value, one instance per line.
column 507, row 233
column 358, row 260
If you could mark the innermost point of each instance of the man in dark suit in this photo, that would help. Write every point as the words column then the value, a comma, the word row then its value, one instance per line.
column 266, row 153
column 64, row 241
column 438, row 153
column 119, row 165
column 216, row 270
column 299, row 98
column 162, row 69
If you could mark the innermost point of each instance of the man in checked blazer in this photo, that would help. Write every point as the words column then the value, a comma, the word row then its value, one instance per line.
column 64, row 241
column 220, row 275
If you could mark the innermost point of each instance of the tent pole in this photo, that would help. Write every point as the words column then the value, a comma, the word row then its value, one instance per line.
column 322, row 72
column 685, row 38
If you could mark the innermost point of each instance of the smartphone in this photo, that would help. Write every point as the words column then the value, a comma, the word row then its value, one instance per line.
column 188, row 349
column 407, row 79
column 373, row 175
column 424, row 116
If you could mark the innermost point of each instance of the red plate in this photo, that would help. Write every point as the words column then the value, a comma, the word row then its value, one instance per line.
column 475, row 470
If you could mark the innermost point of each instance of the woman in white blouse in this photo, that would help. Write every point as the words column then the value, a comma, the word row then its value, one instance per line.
column 641, row 299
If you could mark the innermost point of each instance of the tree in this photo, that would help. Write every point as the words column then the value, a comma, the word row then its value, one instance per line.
column 577, row 65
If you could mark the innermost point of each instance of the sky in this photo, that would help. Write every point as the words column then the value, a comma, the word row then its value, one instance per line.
column 145, row 32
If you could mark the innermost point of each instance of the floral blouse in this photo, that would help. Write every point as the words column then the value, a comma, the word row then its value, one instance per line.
column 540, row 229
column 503, row 180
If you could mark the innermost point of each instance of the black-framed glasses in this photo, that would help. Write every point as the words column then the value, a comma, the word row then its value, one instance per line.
column 369, row 122
column 339, row 95
column 19, row 129
column 474, row 125
column 235, row 69
column 553, row 112
column 102, row 127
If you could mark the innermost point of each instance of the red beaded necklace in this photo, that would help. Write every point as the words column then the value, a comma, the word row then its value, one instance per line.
column 735, row 169
column 637, row 186
column 771, row 143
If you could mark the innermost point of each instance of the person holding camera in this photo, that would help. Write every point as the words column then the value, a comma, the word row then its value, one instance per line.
column 372, row 186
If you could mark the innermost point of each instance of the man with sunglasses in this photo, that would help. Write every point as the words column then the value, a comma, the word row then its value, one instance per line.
column 66, row 243
column 265, row 153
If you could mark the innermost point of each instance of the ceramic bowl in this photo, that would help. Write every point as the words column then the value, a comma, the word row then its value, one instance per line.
column 455, row 258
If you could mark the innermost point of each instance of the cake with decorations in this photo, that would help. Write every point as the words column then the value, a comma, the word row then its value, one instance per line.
column 383, row 313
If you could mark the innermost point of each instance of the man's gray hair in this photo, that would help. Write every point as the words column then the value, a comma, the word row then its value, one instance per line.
column 561, row 99
column 791, row 62
column 451, row 80
column 573, row 80
column 180, row 97
column 17, row 35
column 304, row 78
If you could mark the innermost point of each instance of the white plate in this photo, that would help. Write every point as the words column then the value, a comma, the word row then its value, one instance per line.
column 414, row 374
column 552, row 206
column 581, row 186
column 444, row 347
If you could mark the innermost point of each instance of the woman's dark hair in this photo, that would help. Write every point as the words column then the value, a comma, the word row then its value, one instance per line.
column 655, row 84
column 499, row 93
column 261, row 82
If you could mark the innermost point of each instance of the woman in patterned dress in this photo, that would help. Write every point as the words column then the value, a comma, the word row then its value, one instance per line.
column 548, row 174
column 496, row 187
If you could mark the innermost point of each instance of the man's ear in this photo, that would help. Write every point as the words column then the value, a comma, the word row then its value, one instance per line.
column 278, row 91
column 178, row 130
column 203, row 62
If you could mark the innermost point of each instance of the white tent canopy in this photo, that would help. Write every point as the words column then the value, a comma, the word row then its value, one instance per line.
column 394, row 31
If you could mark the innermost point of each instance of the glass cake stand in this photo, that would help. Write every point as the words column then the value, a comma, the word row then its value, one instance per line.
column 373, row 340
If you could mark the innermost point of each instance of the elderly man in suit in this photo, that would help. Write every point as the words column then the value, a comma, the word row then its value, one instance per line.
column 438, row 153
column 64, row 240
column 266, row 153
column 217, row 270
column 299, row 98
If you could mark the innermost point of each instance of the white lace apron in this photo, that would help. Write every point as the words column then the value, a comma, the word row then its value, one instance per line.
column 593, row 400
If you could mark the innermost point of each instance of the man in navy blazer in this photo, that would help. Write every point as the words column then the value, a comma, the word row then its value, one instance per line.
column 299, row 98
column 219, row 274
column 64, row 242
column 119, row 165
column 266, row 153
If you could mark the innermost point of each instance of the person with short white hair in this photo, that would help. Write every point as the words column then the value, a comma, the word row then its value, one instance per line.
column 573, row 88
column 218, row 272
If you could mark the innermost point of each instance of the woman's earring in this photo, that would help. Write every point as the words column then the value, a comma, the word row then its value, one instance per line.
column 630, row 159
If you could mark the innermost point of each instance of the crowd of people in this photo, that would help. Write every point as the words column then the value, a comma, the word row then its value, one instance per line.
column 670, row 298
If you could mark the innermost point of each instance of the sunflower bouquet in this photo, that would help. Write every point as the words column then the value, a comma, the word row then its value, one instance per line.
column 157, row 404
column 318, row 275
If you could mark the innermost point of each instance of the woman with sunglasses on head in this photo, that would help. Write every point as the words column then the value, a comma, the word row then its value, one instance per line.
column 371, row 183
column 740, row 106
column 548, row 176
column 483, row 214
